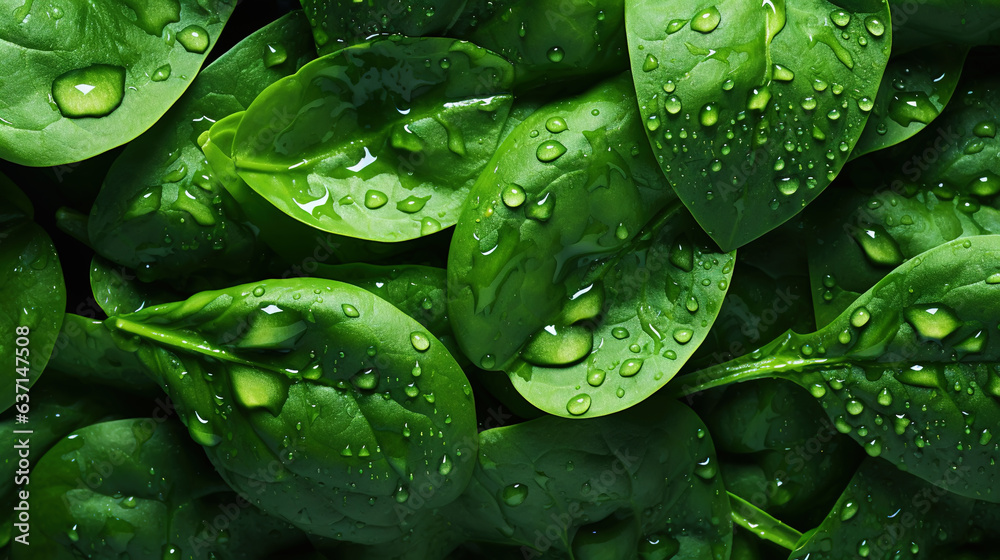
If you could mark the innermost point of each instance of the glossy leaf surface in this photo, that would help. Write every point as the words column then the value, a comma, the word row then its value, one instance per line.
column 346, row 144
column 84, row 77
column 752, row 109
column 573, row 266
column 915, row 88
column 161, row 210
column 34, row 295
column 909, row 370
column 378, row 408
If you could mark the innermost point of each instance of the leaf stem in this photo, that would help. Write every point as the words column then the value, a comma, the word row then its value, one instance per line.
column 762, row 524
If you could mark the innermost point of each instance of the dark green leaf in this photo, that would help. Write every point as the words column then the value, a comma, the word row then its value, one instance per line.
column 346, row 145
column 752, row 109
column 34, row 296
column 915, row 89
column 161, row 211
column 81, row 77
column 573, row 265
column 909, row 370
column 323, row 403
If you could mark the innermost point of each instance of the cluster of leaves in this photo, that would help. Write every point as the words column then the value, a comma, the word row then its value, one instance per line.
column 454, row 279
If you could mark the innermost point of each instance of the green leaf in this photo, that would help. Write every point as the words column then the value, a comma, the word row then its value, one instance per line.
column 941, row 185
column 160, row 210
column 643, row 481
column 322, row 402
column 915, row 89
column 140, row 488
column 341, row 23
column 909, row 370
column 86, row 351
column 885, row 514
column 34, row 295
column 573, row 266
column 552, row 41
column 82, row 78
column 752, row 109
column 346, row 144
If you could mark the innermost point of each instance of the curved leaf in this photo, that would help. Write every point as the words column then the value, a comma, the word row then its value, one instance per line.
column 140, row 488
column 573, row 266
column 752, row 109
column 341, row 23
column 915, row 89
column 34, row 296
column 160, row 210
column 322, row 402
column 939, row 186
column 85, row 77
column 909, row 370
column 345, row 144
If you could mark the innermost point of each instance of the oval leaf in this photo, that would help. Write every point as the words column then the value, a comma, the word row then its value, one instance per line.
column 752, row 109
column 346, row 145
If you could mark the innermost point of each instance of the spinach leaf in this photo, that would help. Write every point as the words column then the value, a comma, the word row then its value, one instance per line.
column 322, row 402
column 573, row 266
column 31, row 310
column 83, row 77
column 341, row 23
column 552, row 41
column 284, row 234
column 161, row 211
column 778, row 451
column 858, row 237
column 753, row 109
column 87, row 352
column 909, row 370
column 139, row 488
column 346, row 144
column 118, row 291
column 641, row 483
column 885, row 514
column 914, row 90
column 941, row 185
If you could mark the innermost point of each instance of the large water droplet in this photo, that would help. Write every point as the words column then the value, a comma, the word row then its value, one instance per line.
column 880, row 248
column 94, row 91
column 932, row 320
column 579, row 404
column 550, row 151
column 514, row 494
column 194, row 39
column 707, row 20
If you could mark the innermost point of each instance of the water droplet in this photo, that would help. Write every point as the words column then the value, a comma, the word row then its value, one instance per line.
column 833, row 115
column 885, row 397
column 874, row 26
column 274, row 55
column 880, row 248
column 759, row 98
column 366, row 379
column 787, row 185
column 985, row 129
column 809, row 103
column 556, row 54
column 783, row 74
column 94, row 91
column 161, row 73
column 350, row 310
column 673, row 105
column 194, row 39
column 707, row 20
column 620, row 333
column 579, row 404
column 514, row 494
column 549, row 151
column 840, row 18
column 555, row 125
column 849, row 510
column 932, row 320
column 854, row 407
column 676, row 25
column 650, row 63
column 446, row 465
column 683, row 336
column 542, row 209
column 709, row 115
column 630, row 367
column 420, row 341
column 375, row 199
column 412, row 204
column 596, row 377
column 429, row 225
column 860, row 317
column 513, row 196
